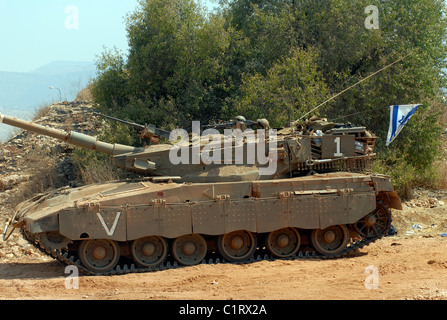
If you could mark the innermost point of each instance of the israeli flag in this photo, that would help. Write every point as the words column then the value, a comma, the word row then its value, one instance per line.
column 399, row 116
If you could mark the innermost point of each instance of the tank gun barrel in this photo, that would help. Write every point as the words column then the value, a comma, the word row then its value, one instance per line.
column 72, row 137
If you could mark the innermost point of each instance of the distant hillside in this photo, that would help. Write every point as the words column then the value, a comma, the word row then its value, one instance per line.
column 32, row 88
column 22, row 93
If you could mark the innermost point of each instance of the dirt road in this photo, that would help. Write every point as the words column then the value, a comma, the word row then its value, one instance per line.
column 404, row 267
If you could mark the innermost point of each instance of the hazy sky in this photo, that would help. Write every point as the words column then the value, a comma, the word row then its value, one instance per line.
column 36, row 32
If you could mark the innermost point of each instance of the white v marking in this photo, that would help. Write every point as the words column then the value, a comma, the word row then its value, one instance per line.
column 111, row 231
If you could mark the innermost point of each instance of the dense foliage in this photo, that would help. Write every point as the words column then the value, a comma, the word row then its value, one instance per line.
column 279, row 58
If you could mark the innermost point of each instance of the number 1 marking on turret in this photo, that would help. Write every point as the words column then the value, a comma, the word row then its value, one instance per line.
column 338, row 144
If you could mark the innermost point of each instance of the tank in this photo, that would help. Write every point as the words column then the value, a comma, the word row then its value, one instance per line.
column 306, row 197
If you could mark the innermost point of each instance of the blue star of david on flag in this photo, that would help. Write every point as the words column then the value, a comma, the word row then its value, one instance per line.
column 399, row 116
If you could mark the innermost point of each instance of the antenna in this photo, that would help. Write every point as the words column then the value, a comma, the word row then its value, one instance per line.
column 347, row 89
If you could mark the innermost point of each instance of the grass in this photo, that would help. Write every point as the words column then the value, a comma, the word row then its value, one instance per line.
column 42, row 111
column 45, row 177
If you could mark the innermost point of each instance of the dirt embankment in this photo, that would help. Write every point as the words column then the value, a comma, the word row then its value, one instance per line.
column 410, row 265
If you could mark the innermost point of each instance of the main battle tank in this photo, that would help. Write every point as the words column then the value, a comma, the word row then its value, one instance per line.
column 181, row 213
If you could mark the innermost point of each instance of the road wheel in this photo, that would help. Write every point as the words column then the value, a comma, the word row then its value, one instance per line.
column 149, row 251
column 99, row 255
column 189, row 250
column 330, row 241
column 283, row 243
column 237, row 246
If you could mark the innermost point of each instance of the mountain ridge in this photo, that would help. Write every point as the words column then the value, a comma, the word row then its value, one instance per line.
column 28, row 89
column 22, row 93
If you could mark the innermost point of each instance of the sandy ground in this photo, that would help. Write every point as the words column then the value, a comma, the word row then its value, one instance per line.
column 404, row 267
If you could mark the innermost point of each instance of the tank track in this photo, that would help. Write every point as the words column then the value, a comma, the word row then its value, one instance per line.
column 64, row 257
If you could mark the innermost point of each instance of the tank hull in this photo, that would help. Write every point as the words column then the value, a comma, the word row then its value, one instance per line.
column 190, row 221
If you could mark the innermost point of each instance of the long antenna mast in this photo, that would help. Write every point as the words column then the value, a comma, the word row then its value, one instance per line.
column 347, row 89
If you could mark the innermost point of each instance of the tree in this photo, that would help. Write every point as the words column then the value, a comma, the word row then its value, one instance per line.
column 291, row 87
column 174, row 71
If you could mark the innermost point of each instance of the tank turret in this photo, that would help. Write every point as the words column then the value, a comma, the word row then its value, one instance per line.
column 184, row 160
column 241, row 153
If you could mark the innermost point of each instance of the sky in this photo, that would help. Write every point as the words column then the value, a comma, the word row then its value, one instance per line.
column 34, row 33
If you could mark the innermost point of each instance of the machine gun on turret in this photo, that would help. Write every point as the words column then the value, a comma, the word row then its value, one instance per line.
column 240, row 123
column 147, row 131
